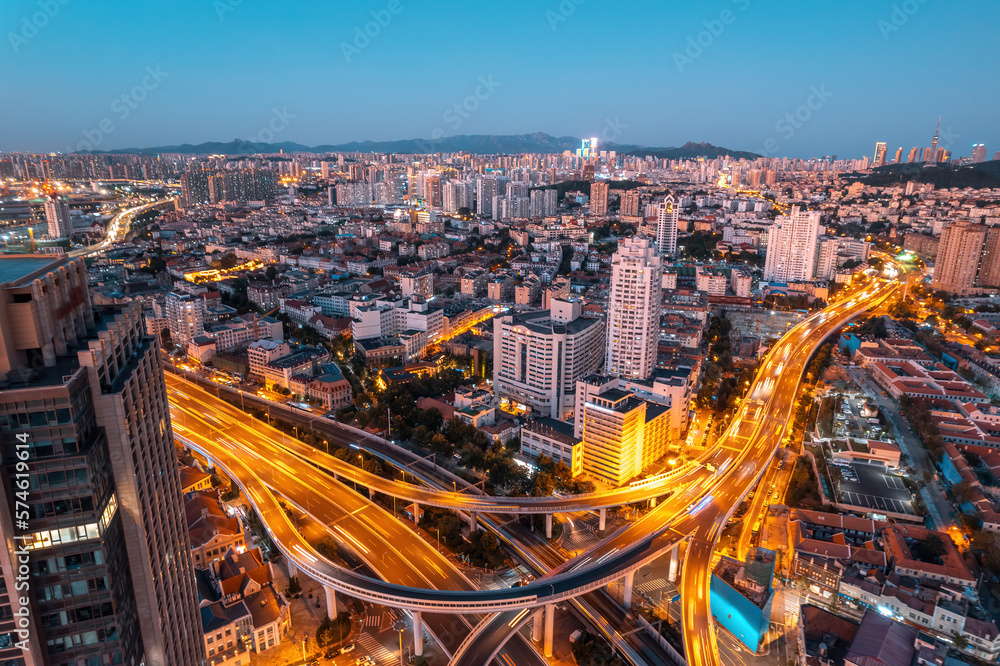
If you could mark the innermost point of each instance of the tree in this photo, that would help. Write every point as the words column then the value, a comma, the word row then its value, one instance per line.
column 271, row 272
column 489, row 542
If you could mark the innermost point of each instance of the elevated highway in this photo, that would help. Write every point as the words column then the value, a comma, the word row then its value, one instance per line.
column 700, row 505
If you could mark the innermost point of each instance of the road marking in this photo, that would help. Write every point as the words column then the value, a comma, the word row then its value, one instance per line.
column 371, row 646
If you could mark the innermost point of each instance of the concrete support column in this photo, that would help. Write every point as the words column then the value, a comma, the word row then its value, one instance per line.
column 418, row 634
column 627, row 590
column 674, row 561
column 536, row 624
column 473, row 522
column 416, row 513
column 548, row 528
column 550, row 616
column 292, row 569
column 652, row 502
column 371, row 493
column 331, row 602
column 211, row 463
column 604, row 520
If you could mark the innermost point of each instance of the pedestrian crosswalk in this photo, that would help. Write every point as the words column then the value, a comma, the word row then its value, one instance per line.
column 382, row 655
column 373, row 620
column 650, row 585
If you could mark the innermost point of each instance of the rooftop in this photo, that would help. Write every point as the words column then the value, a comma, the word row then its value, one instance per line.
column 18, row 269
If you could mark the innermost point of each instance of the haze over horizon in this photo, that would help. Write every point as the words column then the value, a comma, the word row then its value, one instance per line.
column 197, row 71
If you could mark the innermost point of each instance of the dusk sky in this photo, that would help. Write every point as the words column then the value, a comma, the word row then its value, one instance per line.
column 871, row 70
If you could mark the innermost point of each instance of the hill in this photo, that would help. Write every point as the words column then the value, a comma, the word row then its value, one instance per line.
column 482, row 144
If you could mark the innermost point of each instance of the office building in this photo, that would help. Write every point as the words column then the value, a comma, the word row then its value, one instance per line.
column 791, row 247
column 622, row 434
column 879, row 158
column 599, row 198
column 106, row 544
column 539, row 356
column 666, row 227
column 634, row 309
column 57, row 216
column 186, row 317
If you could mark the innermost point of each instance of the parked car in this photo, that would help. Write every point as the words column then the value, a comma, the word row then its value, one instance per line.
column 347, row 649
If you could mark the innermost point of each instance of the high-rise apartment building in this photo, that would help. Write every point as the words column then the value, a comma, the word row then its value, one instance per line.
column 666, row 227
column 879, row 158
column 634, row 306
column 539, row 356
column 968, row 258
column 978, row 153
column 599, row 198
column 631, row 203
column 544, row 202
column 488, row 187
column 103, row 547
column 195, row 189
column 57, row 215
column 899, row 155
column 989, row 266
column 791, row 246
column 186, row 317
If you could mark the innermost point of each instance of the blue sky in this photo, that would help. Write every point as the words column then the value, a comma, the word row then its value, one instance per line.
column 882, row 71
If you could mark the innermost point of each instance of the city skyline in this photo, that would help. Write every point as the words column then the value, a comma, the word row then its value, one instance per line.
column 334, row 84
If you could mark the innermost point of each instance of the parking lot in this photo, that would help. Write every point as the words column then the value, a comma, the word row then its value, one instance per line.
column 871, row 488
column 849, row 421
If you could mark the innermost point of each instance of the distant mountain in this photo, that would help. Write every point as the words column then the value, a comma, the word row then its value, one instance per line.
column 483, row 144
column 691, row 150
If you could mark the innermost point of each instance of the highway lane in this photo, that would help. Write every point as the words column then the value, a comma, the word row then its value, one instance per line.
column 637, row 492
column 384, row 543
column 117, row 229
column 645, row 540
column 791, row 355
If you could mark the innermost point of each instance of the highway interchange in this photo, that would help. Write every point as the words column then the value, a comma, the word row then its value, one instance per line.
column 265, row 462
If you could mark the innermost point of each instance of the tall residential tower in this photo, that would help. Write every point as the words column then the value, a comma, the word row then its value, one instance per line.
column 634, row 307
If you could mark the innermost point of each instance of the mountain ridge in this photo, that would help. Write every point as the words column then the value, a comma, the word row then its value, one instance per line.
column 488, row 144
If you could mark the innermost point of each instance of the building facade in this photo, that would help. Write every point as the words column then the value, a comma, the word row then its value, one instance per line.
column 634, row 307
column 84, row 405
